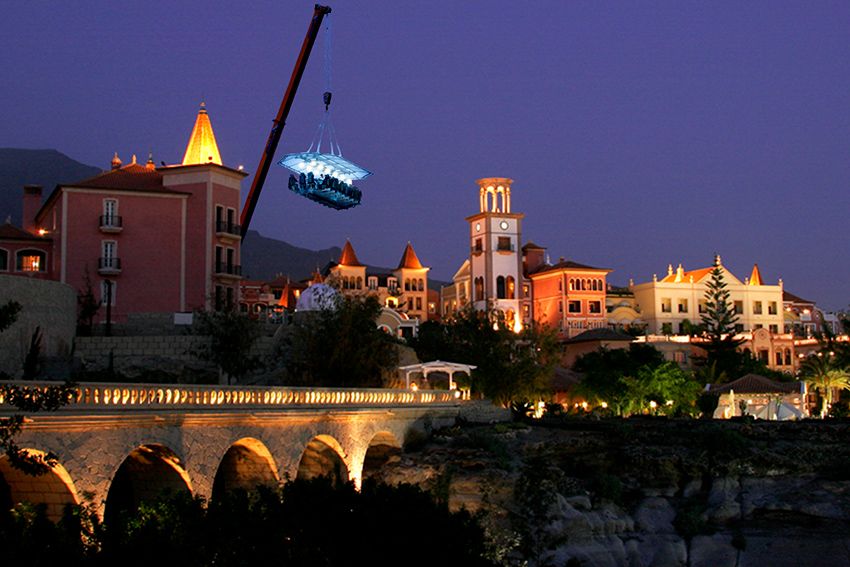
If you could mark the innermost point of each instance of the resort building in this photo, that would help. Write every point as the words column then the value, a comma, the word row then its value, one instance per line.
column 142, row 238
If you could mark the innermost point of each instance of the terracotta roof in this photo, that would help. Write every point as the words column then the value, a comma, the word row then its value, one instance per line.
column 686, row 276
column 566, row 265
column 755, row 384
column 532, row 246
column 8, row 231
column 790, row 297
column 755, row 276
column 202, row 147
column 409, row 259
column 600, row 335
column 131, row 177
column 348, row 257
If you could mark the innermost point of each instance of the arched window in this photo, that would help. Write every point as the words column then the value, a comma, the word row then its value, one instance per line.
column 479, row 289
column 406, row 284
column 359, row 282
column 421, row 284
column 572, row 284
column 31, row 260
column 511, row 287
column 500, row 287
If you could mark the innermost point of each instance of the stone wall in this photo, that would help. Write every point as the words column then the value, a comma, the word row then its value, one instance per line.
column 49, row 305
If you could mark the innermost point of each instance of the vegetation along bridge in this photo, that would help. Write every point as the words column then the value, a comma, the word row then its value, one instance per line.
column 120, row 444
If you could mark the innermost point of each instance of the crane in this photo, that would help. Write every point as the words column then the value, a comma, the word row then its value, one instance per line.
column 319, row 12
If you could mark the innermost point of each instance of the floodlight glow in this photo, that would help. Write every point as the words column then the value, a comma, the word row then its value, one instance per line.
column 324, row 164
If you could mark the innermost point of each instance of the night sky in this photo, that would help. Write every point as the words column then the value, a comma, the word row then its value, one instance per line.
column 638, row 134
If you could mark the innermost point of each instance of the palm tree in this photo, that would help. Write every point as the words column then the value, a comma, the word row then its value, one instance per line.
column 821, row 374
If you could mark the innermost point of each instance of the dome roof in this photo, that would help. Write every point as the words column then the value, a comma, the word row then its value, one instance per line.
column 317, row 297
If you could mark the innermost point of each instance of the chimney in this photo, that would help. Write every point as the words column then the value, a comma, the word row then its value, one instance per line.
column 32, row 203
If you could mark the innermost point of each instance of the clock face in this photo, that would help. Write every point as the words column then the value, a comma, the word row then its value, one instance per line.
column 504, row 225
column 478, row 227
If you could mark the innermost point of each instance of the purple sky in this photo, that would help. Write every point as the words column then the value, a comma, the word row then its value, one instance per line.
column 638, row 134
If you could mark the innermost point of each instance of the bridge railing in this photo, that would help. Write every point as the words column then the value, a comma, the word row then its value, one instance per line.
column 119, row 396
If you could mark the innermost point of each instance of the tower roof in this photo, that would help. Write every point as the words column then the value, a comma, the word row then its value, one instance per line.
column 409, row 259
column 202, row 147
column 348, row 257
column 755, row 276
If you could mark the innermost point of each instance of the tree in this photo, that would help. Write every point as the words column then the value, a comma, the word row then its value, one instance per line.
column 509, row 366
column 605, row 370
column 87, row 306
column 718, row 321
column 231, row 336
column 821, row 373
column 339, row 346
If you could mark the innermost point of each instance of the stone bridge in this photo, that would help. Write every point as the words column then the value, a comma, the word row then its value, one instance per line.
column 119, row 444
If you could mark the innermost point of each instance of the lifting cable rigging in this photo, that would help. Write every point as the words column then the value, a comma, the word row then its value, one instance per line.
column 325, row 177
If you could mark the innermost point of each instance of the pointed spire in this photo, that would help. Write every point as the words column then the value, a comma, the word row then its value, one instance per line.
column 348, row 257
column 409, row 259
column 202, row 147
column 755, row 276
column 116, row 161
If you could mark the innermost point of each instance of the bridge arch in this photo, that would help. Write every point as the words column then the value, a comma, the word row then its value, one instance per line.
column 247, row 464
column 323, row 456
column 54, row 488
column 383, row 447
column 146, row 473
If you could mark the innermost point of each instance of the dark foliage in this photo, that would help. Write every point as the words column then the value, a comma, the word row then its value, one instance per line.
column 232, row 334
column 306, row 523
column 340, row 347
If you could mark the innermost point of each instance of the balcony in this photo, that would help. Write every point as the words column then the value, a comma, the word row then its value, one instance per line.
column 227, row 230
column 229, row 271
column 111, row 224
column 109, row 266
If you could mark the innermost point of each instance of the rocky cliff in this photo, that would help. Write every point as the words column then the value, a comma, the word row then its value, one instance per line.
column 646, row 492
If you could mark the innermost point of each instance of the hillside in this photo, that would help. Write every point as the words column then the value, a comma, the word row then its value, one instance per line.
column 48, row 168
column 263, row 258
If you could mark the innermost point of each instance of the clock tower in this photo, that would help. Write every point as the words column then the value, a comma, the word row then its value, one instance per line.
column 495, row 257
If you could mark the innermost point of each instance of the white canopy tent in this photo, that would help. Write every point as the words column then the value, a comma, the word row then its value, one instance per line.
column 426, row 368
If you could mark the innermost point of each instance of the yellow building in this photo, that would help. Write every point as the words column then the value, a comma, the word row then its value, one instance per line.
column 667, row 304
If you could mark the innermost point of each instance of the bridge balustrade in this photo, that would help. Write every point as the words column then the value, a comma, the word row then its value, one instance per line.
column 112, row 396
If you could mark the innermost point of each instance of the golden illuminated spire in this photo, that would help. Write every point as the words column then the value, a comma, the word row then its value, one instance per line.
column 755, row 277
column 202, row 147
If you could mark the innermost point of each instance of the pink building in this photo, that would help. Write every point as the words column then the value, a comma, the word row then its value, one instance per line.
column 162, row 238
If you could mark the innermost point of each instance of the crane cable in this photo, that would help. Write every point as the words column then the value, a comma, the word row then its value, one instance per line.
column 326, row 125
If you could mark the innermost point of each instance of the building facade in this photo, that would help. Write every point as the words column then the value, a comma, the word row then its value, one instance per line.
column 142, row 238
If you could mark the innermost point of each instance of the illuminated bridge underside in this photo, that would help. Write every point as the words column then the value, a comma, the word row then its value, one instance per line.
column 123, row 443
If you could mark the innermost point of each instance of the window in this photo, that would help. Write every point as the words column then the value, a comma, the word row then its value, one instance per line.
column 787, row 357
column 773, row 329
column 107, row 292
column 432, row 307
column 359, row 282
column 574, row 306
column 31, row 261
column 110, row 213
column 406, row 284
column 560, row 307
column 419, row 304
column 758, row 326
column 479, row 245
column 771, row 308
column 510, row 286
column 702, row 307
column 219, row 297
column 666, row 305
column 373, row 283
column 764, row 356
column 479, row 289
column 525, row 290
column 739, row 307
column 504, row 244
column 683, row 305
column 756, row 307
column 421, row 284
column 739, row 328
column 572, row 284
column 391, row 303
column 219, row 215
column 526, row 311
column 500, row 287
column 4, row 260
column 594, row 307
column 392, row 285
column 778, row 358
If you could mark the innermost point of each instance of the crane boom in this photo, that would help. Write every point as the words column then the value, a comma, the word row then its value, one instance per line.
column 319, row 13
